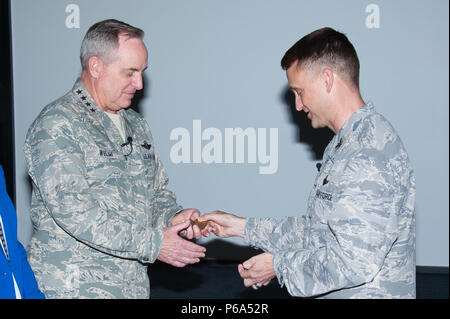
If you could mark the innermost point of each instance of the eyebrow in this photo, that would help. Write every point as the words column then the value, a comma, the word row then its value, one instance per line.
column 136, row 70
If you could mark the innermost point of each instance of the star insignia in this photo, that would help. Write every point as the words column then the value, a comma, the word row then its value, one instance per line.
column 79, row 91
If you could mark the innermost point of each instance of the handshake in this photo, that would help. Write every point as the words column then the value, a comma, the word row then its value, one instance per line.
column 176, row 251
column 220, row 223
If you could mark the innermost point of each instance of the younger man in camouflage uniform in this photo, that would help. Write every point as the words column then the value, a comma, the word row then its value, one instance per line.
column 357, row 239
column 100, row 207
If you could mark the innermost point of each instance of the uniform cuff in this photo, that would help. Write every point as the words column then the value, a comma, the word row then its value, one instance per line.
column 170, row 215
column 279, row 268
column 150, row 245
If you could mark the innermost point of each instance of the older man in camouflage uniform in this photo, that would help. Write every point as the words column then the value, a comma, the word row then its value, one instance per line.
column 357, row 239
column 100, row 208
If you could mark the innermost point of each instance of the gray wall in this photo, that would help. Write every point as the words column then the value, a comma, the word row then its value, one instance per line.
column 215, row 64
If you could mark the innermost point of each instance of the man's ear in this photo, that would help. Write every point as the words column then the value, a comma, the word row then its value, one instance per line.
column 328, row 79
column 95, row 66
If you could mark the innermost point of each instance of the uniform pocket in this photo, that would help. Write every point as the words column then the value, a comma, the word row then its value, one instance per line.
column 102, row 163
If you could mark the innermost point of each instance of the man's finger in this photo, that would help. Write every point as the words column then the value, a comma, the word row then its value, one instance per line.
column 196, row 232
column 191, row 247
column 248, row 263
column 187, row 260
column 181, row 226
column 212, row 216
column 177, row 264
column 248, row 282
column 244, row 273
column 189, row 232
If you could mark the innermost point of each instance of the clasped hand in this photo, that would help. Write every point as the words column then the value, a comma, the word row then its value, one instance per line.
column 177, row 251
column 256, row 272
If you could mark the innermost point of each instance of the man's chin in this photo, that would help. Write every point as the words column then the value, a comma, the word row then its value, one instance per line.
column 125, row 104
column 316, row 125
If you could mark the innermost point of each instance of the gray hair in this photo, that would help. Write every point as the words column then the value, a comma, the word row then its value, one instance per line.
column 102, row 40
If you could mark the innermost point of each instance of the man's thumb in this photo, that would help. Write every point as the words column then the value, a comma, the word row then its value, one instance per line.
column 181, row 226
column 248, row 264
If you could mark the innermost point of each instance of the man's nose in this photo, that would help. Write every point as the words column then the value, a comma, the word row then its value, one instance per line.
column 138, row 82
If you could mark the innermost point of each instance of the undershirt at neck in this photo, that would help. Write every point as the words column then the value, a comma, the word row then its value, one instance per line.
column 115, row 118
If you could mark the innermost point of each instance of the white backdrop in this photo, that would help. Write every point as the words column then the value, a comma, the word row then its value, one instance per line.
column 214, row 68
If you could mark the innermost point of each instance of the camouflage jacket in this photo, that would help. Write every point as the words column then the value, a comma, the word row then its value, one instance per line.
column 357, row 239
column 98, row 207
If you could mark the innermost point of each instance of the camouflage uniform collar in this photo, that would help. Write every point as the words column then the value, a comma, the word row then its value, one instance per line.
column 345, row 133
column 352, row 122
column 84, row 97
column 97, row 115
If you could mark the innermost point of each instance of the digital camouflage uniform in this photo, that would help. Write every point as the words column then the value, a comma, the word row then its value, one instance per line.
column 98, row 208
column 357, row 239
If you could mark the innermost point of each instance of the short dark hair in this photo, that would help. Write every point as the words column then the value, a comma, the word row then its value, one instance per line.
column 102, row 39
column 326, row 47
